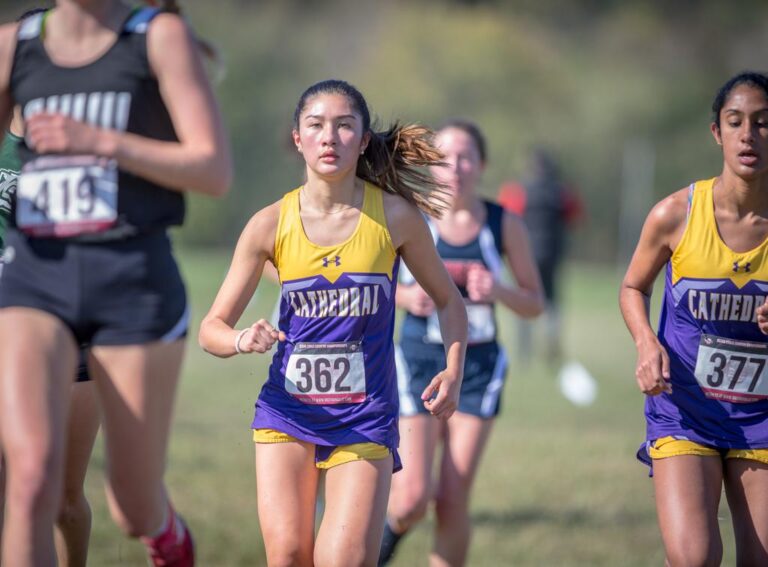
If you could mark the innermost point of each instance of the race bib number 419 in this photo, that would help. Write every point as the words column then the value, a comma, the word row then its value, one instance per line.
column 326, row 373
column 63, row 196
column 732, row 370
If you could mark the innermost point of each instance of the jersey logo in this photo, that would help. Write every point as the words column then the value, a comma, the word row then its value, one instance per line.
column 745, row 267
column 105, row 109
column 337, row 261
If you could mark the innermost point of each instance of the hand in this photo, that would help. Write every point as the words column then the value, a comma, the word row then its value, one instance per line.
column 762, row 317
column 59, row 134
column 260, row 337
column 418, row 302
column 481, row 285
column 652, row 371
column 441, row 396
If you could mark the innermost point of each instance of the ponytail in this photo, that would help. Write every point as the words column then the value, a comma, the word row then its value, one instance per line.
column 395, row 160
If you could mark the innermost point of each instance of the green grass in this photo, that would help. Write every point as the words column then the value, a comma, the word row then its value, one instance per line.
column 559, row 484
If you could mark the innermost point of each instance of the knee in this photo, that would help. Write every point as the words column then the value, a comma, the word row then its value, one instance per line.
column 357, row 557
column 409, row 505
column 693, row 555
column 74, row 509
column 287, row 552
column 32, row 482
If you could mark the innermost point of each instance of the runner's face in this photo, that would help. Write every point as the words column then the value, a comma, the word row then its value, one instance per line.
column 463, row 166
column 330, row 135
column 743, row 131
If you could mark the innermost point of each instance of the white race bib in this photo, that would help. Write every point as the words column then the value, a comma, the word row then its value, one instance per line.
column 732, row 370
column 326, row 373
column 63, row 196
column 481, row 328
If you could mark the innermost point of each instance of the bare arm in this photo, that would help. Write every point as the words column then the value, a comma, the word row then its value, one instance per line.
column 254, row 247
column 200, row 161
column 7, row 47
column 660, row 235
column 414, row 299
column 415, row 244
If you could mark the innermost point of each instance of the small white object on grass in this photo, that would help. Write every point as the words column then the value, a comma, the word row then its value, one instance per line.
column 577, row 385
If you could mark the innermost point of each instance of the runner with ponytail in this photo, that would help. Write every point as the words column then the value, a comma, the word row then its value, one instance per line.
column 330, row 400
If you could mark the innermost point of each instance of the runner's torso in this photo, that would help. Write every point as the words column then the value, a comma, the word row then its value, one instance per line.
column 88, row 197
column 333, row 380
column 719, row 357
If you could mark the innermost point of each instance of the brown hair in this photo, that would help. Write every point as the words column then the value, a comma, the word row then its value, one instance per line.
column 396, row 157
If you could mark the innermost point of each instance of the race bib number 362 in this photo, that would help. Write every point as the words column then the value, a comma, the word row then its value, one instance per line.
column 63, row 196
column 326, row 373
column 732, row 370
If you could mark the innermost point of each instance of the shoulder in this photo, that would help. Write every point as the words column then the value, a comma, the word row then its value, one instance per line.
column 399, row 211
column 512, row 222
column 261, row 230
column 163, row 24
column 669, row 215
column 165, row 33
column 514, row 232
column 266, row 218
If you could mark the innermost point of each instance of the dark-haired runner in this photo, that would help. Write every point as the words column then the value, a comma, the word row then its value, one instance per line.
column 705, row 374
column 330, row 401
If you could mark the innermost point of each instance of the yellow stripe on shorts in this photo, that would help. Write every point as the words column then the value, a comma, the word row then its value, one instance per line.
column 354, row 452
column 340, row 455
column 670, row 447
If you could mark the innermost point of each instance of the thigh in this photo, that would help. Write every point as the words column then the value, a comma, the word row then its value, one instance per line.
column 355, row 508
column 286, row 485
column 465, row 439
column 746, row 486
column 37, row 365
column 81, row 434
column 136, row 386
column 688, row 489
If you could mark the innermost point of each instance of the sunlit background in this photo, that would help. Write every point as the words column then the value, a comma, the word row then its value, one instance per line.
column 619, row 91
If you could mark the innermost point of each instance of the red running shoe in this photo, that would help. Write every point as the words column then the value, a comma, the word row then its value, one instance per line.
column 174, row 547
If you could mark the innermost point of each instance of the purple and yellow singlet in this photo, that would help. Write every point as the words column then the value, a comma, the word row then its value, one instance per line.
column 333, row 382
column 718, row 356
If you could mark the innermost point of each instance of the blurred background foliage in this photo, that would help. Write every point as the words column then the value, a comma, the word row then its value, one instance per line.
column 586, row 78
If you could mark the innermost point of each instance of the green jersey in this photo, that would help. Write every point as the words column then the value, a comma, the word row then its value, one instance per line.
column 9, row 173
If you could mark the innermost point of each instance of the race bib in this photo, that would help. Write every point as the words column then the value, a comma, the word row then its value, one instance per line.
column 326, row 373
column 732, row 370
column 481, row 329
column 63, row 196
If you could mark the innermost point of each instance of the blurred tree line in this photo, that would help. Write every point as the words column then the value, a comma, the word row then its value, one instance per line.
column 583, row 77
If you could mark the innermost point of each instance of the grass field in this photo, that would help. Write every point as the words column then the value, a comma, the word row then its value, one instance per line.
column 559, row 485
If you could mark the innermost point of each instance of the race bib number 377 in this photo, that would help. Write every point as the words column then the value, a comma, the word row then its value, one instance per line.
column 732, row 370
column 63, row 196
column 326, row 373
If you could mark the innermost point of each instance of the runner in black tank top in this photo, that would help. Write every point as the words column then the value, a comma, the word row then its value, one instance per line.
column 471, row 238
column 88, row 258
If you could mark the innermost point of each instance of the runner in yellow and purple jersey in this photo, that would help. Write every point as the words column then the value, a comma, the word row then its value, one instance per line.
column 706, row 373
column 330, row 401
